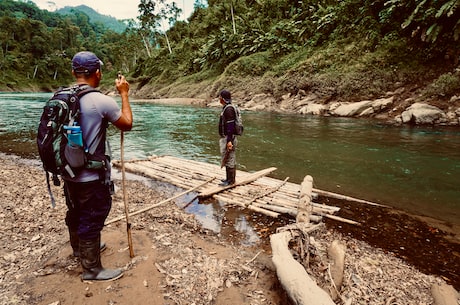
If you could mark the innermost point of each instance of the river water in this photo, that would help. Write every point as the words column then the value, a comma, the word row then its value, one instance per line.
column 416, row 169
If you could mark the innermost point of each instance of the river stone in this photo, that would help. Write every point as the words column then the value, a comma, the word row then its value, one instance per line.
column 382, row 103
column 313, row 108
column 457, row 113
column 260, row 102
column 452, row 117
column 363, row 108
column 311, row 98
column 421, row 113
column 351, row 109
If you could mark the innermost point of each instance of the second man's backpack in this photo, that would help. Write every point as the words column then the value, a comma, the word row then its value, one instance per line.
column 239, row 128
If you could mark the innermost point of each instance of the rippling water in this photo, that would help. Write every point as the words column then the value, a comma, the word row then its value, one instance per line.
column 413, row 168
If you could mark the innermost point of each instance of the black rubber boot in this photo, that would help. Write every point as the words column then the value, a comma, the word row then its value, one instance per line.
column 227, row 180
column 231, row 173
column 75, row 243
column 90, row 256
column 231, row 176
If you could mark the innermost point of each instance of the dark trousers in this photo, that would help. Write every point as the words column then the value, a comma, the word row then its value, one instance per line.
column 89, row 204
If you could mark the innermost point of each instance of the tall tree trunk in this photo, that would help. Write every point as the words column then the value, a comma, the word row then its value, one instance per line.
column 167, row 41
column 146, row 46
column 233, row 19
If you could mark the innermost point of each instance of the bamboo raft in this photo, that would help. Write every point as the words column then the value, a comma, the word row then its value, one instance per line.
column 254, row 191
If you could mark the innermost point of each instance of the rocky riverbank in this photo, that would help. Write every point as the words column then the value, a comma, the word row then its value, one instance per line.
column 393, row 108
column 402, row 106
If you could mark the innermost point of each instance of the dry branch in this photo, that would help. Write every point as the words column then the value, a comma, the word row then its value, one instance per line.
column 268, row 192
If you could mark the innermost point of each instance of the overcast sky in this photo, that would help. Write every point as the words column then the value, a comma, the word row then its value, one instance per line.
column 120, row 9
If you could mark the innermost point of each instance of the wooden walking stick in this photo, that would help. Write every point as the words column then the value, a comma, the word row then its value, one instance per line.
column 128, row 224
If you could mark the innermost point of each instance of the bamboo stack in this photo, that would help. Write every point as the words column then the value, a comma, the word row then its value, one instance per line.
column 266, row 195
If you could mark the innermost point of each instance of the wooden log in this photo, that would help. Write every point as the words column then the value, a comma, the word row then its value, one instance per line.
column 316, row 218
column 444, row 294
column 301, row 289
column 336, row 252
column 243, row 180
column 328, row 208
column 304, row 209
column 294, row 229
column 276, row 208
column 158, row 172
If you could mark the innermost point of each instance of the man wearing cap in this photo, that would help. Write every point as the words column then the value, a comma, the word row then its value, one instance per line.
column 228, row 140
column 88, row 194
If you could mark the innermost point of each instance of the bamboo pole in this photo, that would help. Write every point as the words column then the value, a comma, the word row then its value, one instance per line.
column 243, row 180
column 344, row 197
column 251, row 207
column 338, row 218
column 125, row 200
column 159, row 203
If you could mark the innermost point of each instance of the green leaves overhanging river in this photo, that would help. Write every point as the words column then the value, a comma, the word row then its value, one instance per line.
column 416, row 169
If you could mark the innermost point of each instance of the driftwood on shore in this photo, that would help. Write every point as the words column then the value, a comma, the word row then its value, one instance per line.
column 292, row 272
column 301, row 289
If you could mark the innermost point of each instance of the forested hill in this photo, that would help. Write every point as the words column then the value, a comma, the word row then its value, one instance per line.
column 335, row 50
column 37, row 45
column 109, row 22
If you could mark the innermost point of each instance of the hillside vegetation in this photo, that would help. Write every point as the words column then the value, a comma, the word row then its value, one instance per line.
column 339, row 51
column 37, row 46
column 108, row 22
column 347, row 50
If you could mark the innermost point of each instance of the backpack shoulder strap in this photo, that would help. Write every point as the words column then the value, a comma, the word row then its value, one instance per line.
column 81, row 90
column 234, row 109
column 84, row 89
column 230, row 105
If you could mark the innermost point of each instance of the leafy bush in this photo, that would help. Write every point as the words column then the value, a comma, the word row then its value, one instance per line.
column 252, row 65
column 446, row 85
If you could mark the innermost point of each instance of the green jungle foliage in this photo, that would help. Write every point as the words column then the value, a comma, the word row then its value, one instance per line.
column 338, row 49
column 37, row 46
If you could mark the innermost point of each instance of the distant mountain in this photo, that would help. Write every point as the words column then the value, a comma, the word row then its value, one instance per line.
column 108, row 21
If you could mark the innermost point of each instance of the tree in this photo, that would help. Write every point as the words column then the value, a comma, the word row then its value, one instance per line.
column 152, row 21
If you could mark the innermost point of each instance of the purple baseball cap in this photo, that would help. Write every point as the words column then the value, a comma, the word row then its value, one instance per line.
column 86, row 62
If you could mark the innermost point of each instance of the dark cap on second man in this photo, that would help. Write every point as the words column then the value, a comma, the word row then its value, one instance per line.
column 226, row 96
